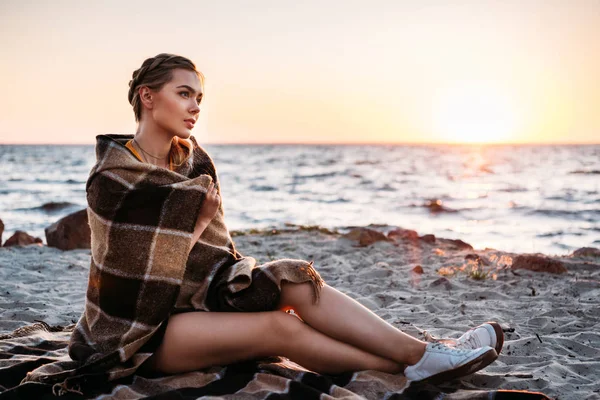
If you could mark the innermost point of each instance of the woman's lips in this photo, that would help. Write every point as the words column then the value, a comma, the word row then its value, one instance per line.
column 190, row 123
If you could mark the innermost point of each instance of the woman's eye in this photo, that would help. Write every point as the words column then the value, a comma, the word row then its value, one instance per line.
column 199, row 101
column 186, row 93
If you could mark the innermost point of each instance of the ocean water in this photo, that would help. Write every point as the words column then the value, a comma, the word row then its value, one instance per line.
column 521, row 198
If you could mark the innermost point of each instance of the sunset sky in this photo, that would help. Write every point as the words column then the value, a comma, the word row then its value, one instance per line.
column 311, row 71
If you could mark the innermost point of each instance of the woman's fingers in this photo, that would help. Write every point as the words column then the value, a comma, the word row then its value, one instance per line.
column 212, row 192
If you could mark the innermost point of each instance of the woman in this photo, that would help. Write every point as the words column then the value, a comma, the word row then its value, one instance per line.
column 333, row 333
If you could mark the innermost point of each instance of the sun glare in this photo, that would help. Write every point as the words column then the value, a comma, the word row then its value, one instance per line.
column 473, row 113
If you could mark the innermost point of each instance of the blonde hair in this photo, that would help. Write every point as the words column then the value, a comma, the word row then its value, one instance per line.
column 154, row 73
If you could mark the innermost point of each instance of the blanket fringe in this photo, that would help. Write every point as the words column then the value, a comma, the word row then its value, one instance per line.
column 37, row 326
column 316, row 280
column 60, row 389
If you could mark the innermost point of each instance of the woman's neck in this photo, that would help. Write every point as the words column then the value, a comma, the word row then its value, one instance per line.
column 154, row 145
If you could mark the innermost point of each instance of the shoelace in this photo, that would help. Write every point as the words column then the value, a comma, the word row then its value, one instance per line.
column 471, row 339
column 442, row 347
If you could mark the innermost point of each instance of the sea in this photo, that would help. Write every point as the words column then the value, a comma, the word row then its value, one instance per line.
column 517, row 198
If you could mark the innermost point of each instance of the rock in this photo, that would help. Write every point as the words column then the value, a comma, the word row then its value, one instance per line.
column 435, row 206
column 428, row 238
column 365, row 236
column 70, row 232
column 403, row 234
column 417, row 270
column 459, row 244
column 382, row 264
column 55, row 206
column 20, row 238
column 442, row 282
column 584, row 252
column 538, row 264
column 1, row 231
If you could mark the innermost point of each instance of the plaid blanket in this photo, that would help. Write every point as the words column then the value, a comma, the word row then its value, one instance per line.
column 142, row 219
column 274, row 378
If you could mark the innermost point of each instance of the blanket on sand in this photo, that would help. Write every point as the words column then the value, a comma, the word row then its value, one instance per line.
column 274, row 378
column 142, row 219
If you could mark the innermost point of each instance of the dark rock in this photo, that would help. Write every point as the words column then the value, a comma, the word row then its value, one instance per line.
column 418, row 269
column 428, row 238
column 586, row 252
column 538, row 264
column 1, row 231
column 459, row 244
column 70, row 232
column 20, row 238
column 442, row 282
column 365, row 236
column 435, row 206
column 55, row 206
column 403, row 234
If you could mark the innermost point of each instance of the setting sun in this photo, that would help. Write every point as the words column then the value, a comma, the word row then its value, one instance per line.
column 474, row 113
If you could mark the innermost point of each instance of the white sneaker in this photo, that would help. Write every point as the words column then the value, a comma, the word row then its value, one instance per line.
column 488, row 334
column 442, row 363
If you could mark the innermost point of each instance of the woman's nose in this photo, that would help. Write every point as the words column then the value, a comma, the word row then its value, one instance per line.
column 195, row 108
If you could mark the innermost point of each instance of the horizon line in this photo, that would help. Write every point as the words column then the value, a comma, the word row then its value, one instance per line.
column 346, row 144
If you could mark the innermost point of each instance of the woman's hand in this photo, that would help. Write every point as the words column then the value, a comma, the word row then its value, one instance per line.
column 209, row 206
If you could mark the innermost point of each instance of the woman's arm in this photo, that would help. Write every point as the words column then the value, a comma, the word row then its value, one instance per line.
column 200, row 227
column 207, row 213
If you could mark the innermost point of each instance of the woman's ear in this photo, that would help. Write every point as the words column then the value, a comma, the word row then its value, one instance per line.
column 146, row 97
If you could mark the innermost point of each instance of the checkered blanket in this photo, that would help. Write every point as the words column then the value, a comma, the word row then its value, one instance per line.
column 273, row 378
column 142, row 219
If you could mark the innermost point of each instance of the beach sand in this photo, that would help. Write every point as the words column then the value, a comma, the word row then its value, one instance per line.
column 551, row 321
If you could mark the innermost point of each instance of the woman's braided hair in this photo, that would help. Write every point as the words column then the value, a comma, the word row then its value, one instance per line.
column 154, row 73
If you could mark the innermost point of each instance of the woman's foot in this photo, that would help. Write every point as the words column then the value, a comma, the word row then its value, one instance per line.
column 487, row 334
column 442, row 363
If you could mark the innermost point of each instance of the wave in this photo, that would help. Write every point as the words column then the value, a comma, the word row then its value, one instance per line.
column 366, row 162
column 68, row 181
column 514, row 189
column 317, row 176
column 583, row 172
column 558, row 233
column 264, row 188
column 334, row 201
column 592, row 215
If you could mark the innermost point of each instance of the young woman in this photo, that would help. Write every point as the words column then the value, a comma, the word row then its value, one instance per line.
column 332, row 335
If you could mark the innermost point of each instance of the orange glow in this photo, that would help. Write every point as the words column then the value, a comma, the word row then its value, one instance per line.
column 474, row 113
column 309, row 72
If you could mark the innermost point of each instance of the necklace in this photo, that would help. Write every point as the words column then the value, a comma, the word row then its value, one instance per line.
column 159, row 158
column 144, row 153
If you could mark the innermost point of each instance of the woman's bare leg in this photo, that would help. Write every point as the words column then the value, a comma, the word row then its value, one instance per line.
column 197, row 340
column 342, row 318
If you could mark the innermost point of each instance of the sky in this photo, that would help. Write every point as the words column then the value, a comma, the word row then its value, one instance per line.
column 512, row 71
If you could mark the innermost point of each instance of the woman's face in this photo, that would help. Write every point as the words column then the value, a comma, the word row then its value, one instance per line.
column 176, row 105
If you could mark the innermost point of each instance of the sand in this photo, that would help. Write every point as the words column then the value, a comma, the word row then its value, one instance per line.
column 551, row 322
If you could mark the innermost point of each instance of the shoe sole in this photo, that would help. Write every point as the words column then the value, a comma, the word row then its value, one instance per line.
column 499, row 336
column 472, row 366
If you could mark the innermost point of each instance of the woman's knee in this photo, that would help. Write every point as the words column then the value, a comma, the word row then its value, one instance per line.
column 296, row 294
column 285, row 327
